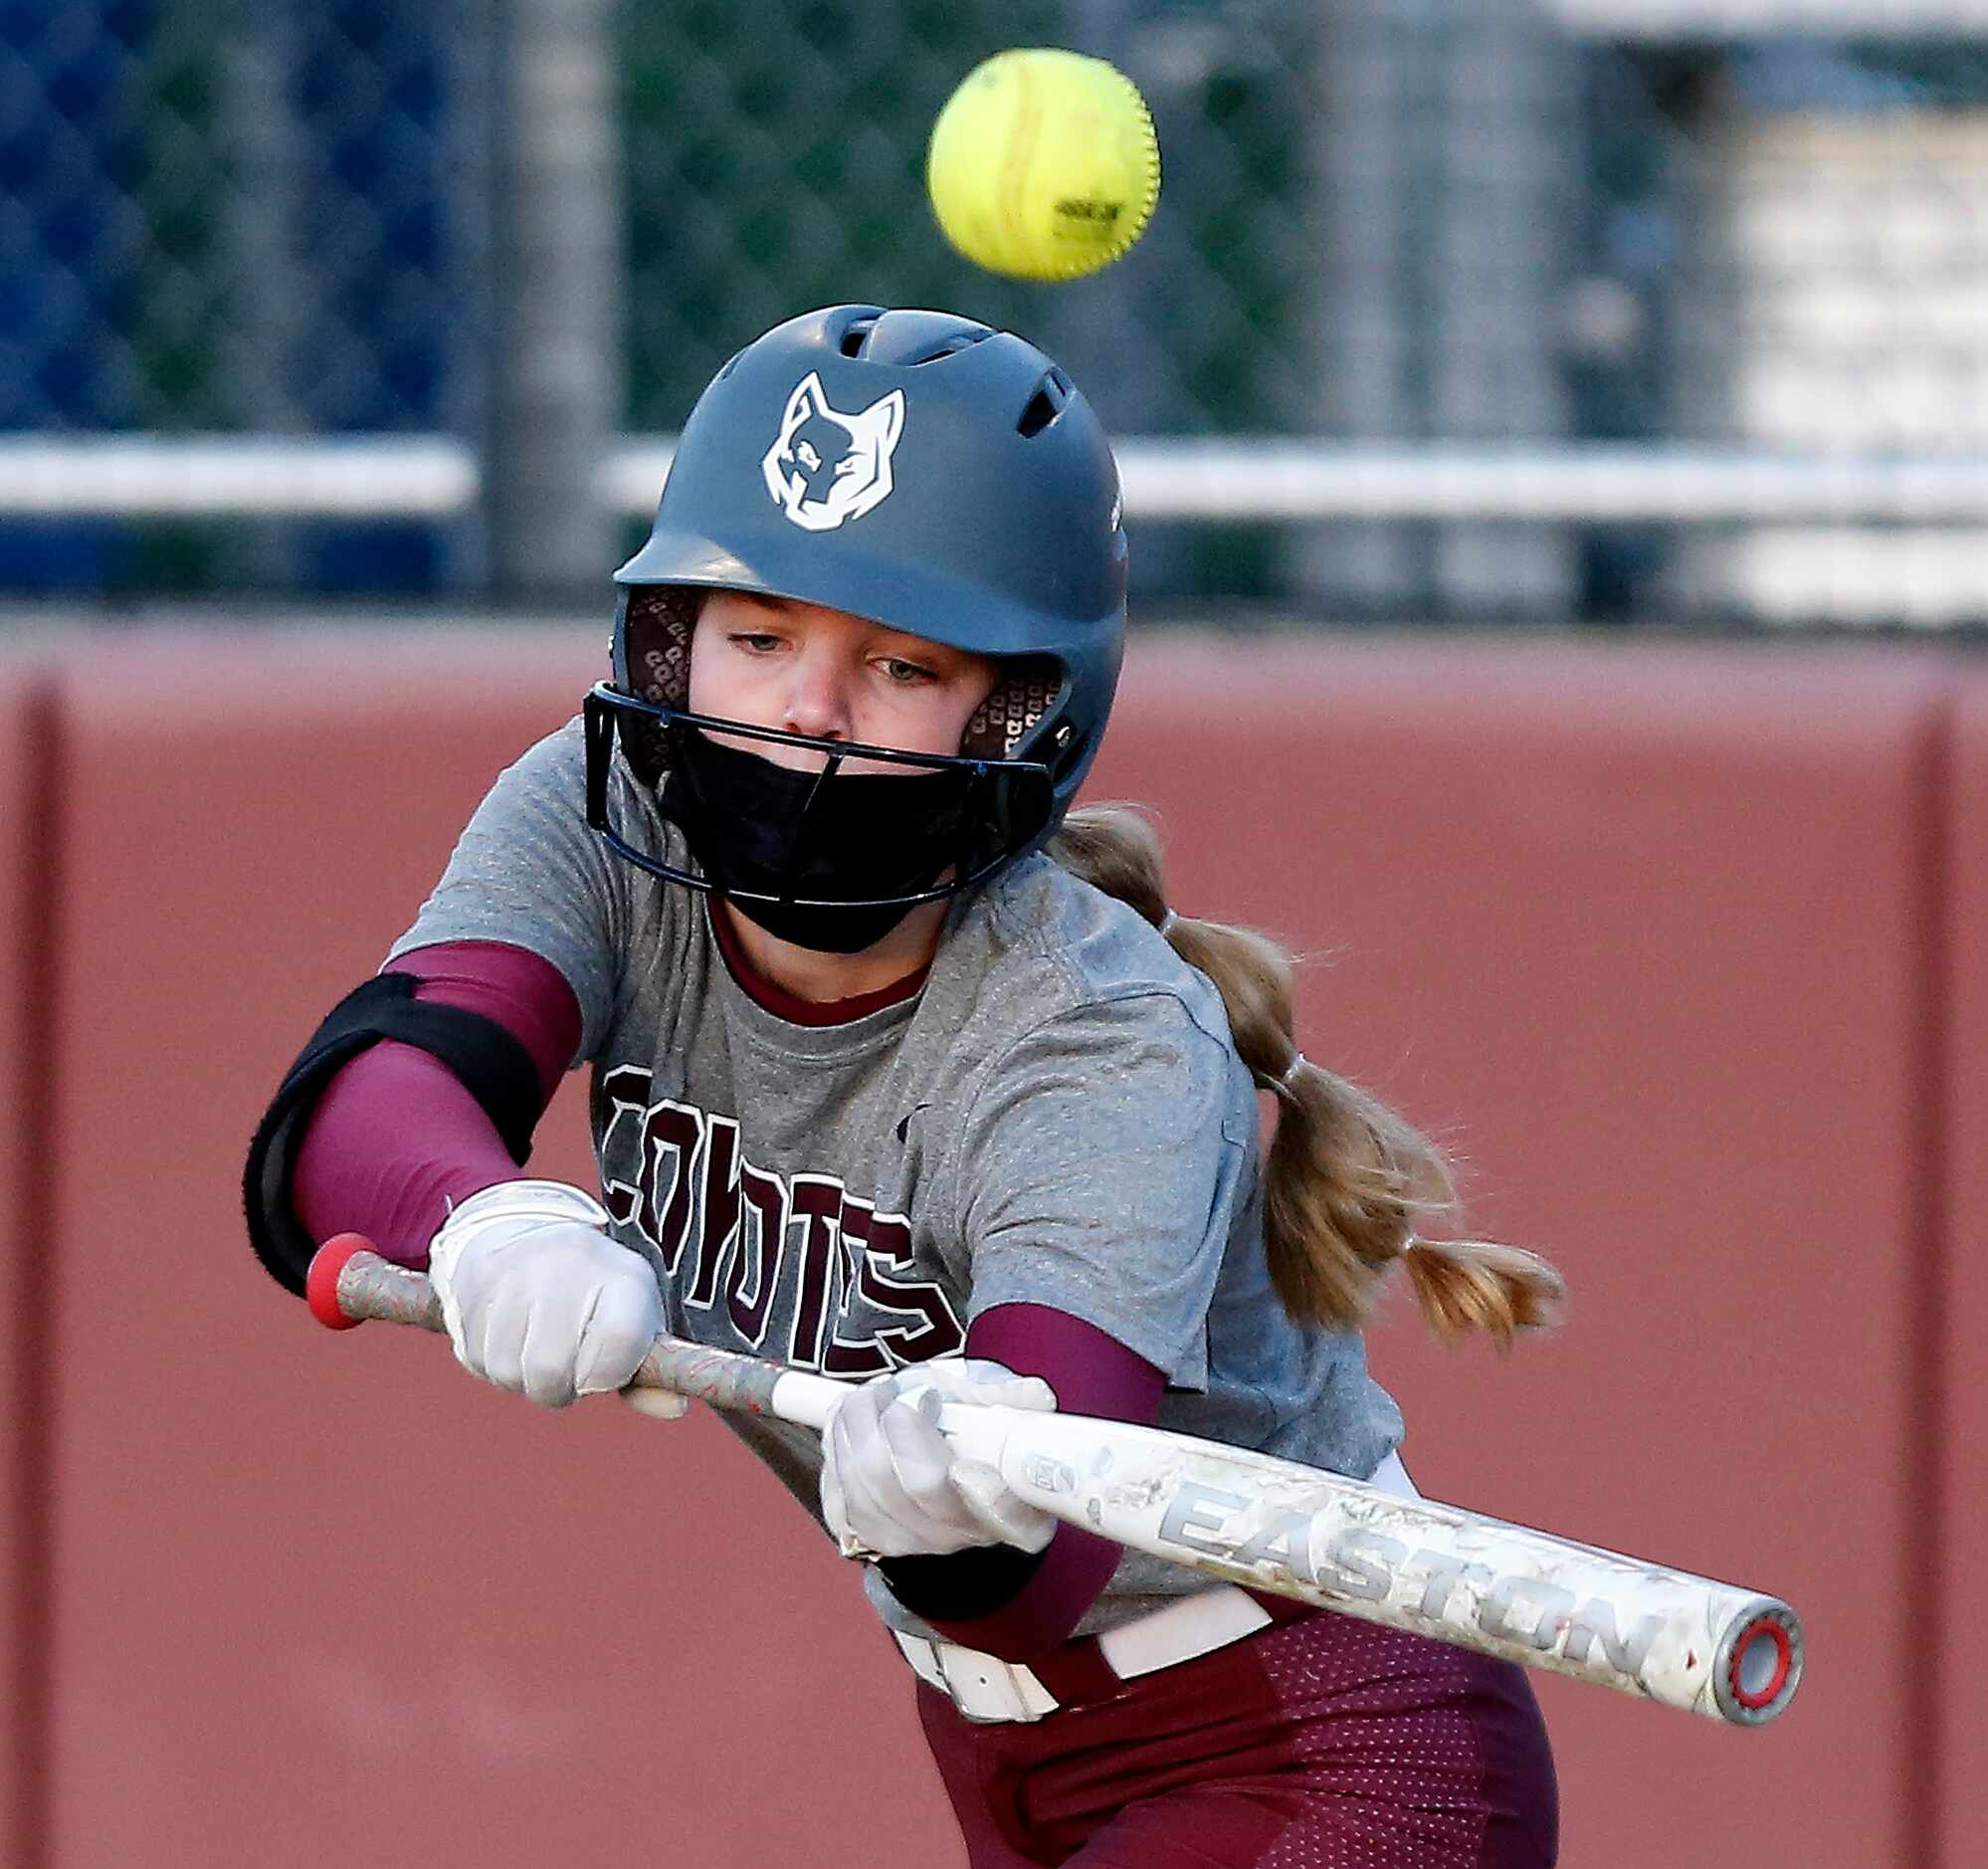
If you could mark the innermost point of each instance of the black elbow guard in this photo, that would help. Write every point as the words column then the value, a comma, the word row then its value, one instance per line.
column 493, row 1066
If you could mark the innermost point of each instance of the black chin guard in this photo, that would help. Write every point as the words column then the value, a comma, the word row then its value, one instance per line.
column 771, row 838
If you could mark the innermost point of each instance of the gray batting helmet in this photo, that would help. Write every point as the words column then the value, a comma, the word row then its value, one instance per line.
column 917, row 469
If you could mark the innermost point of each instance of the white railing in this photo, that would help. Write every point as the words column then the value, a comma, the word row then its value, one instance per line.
column 236, row 477
column 1266, row 477
column 1847, row 537
column 1720, row 20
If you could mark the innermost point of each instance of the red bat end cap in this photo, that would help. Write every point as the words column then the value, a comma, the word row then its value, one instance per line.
column 321, row 1283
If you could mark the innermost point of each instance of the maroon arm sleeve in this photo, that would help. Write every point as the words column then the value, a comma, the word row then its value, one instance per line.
column 396, row 1137
column 1092, row 1375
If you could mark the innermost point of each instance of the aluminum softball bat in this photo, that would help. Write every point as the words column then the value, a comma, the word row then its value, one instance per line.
column 1274, row 1526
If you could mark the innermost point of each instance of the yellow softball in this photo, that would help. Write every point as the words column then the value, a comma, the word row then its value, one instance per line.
column 1044, row 164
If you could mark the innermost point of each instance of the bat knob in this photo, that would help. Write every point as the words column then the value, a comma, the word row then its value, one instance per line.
column 321, row 1283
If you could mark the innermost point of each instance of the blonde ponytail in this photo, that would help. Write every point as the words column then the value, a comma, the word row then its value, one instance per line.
column 1346, row 1180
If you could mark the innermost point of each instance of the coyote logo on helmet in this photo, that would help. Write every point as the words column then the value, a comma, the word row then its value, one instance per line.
column 826, row 467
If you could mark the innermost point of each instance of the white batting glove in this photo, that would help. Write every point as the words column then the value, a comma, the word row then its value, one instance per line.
column 892, row 1485
column 537, row 1298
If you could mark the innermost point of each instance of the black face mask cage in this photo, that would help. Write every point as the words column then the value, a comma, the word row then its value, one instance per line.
column 1004, row 805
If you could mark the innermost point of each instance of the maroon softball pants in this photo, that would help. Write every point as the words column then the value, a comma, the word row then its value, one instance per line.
column 1319, row 1743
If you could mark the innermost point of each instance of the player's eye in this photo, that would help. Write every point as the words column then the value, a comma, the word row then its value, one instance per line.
column 755, row 642
column 906, row 673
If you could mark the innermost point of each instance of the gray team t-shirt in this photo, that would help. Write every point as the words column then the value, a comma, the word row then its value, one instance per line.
column 1058, row 1117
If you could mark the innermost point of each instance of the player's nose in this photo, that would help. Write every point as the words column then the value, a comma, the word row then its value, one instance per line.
column 818, row 700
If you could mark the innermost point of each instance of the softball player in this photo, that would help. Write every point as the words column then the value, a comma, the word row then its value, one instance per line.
column 903, row 1075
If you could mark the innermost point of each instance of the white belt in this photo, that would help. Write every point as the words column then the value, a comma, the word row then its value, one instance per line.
column 984, row 1687
column 987, row 1689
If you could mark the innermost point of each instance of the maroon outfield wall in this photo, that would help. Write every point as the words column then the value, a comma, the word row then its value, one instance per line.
column 323, row 1599
column 1643, row 932
column 24, row 851
column 1955, row 1582
column 1639, row 934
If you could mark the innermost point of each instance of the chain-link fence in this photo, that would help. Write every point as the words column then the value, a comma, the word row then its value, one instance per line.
column 254, row 219
column 1594, row 237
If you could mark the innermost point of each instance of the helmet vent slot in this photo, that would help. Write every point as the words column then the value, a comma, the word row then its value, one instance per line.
column 857, row 335
column 1051, row 394
column 953, row 346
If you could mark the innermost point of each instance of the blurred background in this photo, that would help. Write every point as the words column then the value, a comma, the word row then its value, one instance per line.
column 1555, row 445
column 1618, row 312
